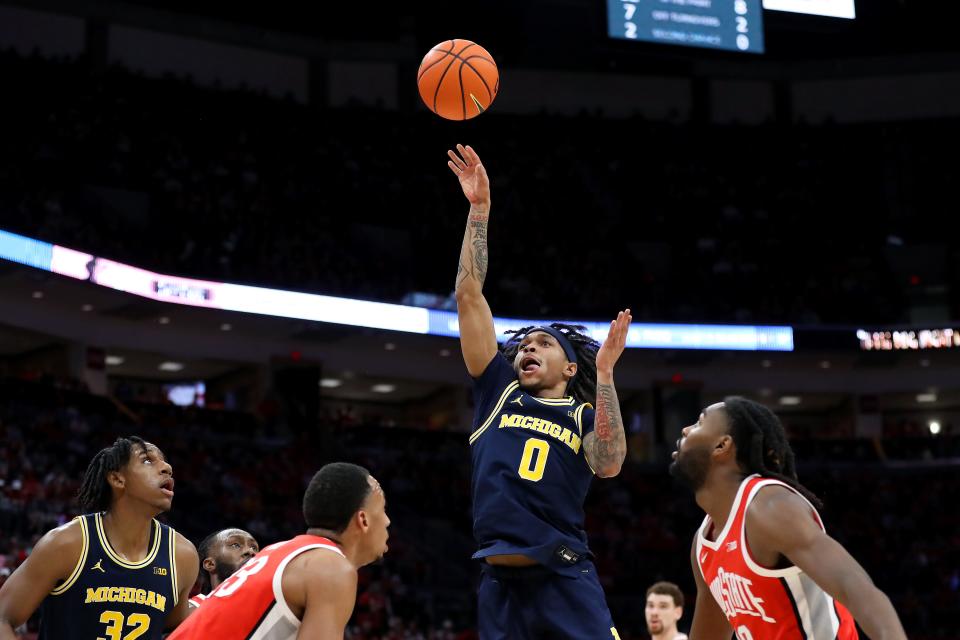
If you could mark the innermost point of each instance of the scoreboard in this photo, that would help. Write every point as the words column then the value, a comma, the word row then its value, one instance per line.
column 829, row 8
column 734, row 25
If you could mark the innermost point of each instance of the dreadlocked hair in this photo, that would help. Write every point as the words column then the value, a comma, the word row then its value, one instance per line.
column 762, row 445
column 583, row 386
column 95, row 493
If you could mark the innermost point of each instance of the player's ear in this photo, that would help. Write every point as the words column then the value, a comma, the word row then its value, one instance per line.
column 363, row 520
column 569, row 370
column 724, row 446
column 209, row 565
column 116, row 479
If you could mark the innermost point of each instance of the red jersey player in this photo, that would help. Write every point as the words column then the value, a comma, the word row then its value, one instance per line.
column 762, row 560
column 222, row 553
column 305, row 587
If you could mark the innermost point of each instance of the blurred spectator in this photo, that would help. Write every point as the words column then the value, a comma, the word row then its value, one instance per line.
column 684, row 223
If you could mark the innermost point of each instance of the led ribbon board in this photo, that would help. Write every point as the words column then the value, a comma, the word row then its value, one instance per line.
column 357, row 313
column 909, row 339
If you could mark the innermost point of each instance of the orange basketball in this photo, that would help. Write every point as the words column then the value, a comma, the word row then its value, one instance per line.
column 458, row 79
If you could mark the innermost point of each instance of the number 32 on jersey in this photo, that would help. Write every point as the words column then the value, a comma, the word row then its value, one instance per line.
column 115, row 623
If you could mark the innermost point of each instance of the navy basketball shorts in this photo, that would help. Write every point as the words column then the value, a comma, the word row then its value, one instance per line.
column 534, row 603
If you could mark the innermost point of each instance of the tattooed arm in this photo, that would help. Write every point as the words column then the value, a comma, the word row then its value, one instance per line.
column 606, row 446
column 478, row 339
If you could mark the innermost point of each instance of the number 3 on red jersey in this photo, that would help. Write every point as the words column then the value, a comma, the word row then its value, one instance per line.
column 234, row 582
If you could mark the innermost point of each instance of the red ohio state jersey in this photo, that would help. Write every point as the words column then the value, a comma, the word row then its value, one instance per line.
column 762, row 603
column 249, row 605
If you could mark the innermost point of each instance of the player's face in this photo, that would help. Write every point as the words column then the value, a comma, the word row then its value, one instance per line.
column 234, row 548
column 692, row 459
column 376, row 535
column 540, row 362
column 148, row 478
column 662, row 614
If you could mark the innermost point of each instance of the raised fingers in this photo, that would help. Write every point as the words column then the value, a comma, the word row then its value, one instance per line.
column 471, row 156
column 612, row 332
column 625, row 323
column 621, row 326
column 456, row 161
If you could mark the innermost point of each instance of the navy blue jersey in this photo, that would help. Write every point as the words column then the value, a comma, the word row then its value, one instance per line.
column 108, row 597
column 530, row 474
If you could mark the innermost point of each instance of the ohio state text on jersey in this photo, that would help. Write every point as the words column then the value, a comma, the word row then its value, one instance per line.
column 763, row 603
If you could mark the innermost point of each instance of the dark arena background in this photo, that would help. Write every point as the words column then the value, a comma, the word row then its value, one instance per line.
column 230, row 229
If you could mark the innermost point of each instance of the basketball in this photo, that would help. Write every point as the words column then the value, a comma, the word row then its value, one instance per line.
column 458, row 79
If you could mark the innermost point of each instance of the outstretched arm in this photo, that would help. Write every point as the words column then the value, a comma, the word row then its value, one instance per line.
column 606, row 446
column 822, row 558
column 478, row 340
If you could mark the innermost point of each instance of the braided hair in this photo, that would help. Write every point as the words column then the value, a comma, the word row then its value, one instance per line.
column 762, row 445
column 95, row 493
column 583, row 386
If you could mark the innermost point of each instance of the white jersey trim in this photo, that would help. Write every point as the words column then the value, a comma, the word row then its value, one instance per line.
column 197, row 600
column 815, row 609
column 699, row 540
column 282, row 606
column 800, row 602
column 702, row 533
column 756, row 568
column 834, row 618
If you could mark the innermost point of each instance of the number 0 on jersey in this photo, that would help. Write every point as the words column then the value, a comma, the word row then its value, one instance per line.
column 530, row 468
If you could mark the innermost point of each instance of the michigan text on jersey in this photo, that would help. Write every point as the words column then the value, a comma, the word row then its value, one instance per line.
column 552, row 429
column 126, row 594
